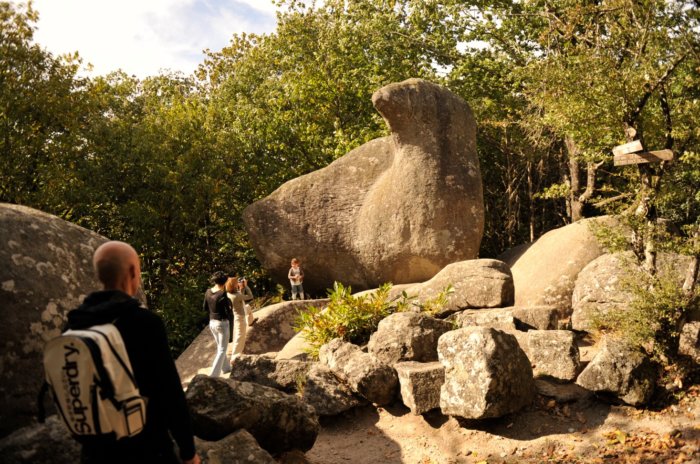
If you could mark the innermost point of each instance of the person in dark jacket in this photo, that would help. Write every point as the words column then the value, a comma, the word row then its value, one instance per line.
column 118, row 268
column 217, row 303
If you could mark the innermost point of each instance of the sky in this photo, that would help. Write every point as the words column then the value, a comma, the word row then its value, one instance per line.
column 142, row 37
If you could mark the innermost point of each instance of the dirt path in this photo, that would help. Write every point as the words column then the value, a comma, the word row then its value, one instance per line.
column 586, row 431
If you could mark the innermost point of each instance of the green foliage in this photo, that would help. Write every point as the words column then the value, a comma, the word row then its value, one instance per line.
column 355, row 317
column 347, row 316
column 655, row 315
column 433, row 305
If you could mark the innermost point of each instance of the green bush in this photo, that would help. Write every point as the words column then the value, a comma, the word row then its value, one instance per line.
column 355, row 317
column 655, row 315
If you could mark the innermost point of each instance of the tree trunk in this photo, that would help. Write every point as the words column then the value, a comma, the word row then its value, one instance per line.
column 575, row 206
column 577, row 198
column 531, row 201
column 691, row 275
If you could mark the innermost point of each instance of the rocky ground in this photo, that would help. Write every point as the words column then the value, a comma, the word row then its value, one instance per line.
column 585, row 431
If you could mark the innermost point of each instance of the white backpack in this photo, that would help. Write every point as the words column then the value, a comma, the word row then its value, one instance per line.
column 93, row 384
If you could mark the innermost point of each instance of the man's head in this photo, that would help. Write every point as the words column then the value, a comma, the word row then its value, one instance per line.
column 117, row 266
column 219, row 278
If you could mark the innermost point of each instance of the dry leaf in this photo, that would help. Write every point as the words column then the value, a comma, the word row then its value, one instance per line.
column 621, row 437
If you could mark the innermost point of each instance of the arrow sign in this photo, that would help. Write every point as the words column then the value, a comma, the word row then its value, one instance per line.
column 631, row 147
column 643, row 157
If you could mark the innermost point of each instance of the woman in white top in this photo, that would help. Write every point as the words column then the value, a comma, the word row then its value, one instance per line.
column 239, row 317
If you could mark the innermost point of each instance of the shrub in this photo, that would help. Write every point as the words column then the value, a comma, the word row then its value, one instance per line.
column 658, row 308
column 352, row 318
column 355, row 317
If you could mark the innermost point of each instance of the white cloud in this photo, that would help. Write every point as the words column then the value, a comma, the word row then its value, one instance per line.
column 144, row 36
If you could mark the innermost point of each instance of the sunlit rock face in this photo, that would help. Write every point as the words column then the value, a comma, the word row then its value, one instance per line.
column 45, row 271
column 396, row 209
column 545, row 274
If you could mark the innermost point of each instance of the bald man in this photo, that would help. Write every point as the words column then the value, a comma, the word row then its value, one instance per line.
column 118, row 268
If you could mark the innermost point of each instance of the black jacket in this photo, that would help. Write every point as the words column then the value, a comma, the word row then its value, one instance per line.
column 218, row 305
column 146, row 343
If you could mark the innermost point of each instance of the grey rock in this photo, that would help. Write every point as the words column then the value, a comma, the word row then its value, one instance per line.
column 284, row 374
column 562, row 392
column 425, row 175
column 47, row 443
column 45, row 271
column 486, row 374
column 407, row 336
column 420, row 385
column 238, row 447
column 689, row 344
column 554, row 353
column 523, row 339
column 274, row 325
column 297, row 348
column 599, row 289
column 327, row 394
column 363, row 372
column 535, row 317
column 518, row 317
column 620, row 370
column 545, row 274
column 278, row 421
column 477, row 283
column 293, row 457
column 493, row 318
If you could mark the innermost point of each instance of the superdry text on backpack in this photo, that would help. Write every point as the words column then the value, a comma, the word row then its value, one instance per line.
column 93, row 383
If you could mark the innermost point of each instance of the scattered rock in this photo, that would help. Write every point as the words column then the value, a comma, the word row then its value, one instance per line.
column 397, row 209
column 284, row 374
column 535, row 317
column 554, row 353
column 278, row 421
column 238, row 447
column 620, row 370
column 293, row 457
column 50, row 442
column 561, row 392
column 420, row 385
column 512, row 317
column 486, row 373
column 493, row 318
column 599, row 289
column 328, row 395
column 477, row 283
column 407, row 336
column 363, row 372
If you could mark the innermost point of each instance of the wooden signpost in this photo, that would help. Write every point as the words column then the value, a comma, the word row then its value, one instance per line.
column 643, row 157
column 632, row 153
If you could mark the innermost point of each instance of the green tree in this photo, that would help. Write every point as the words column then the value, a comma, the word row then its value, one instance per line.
column 42, row 111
